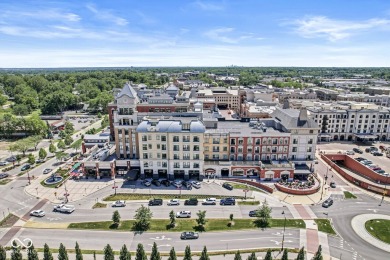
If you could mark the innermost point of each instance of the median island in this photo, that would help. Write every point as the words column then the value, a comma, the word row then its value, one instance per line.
column 379, row 228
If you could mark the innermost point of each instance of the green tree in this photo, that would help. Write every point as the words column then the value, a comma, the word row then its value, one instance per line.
column 61, row 145
column 263, row 214
column 140, row 253
column 201, row 220
column 252, row 256
column 187, row 253
column 116, row 218
column 47, row 255
column 21, row 146
column 3, row 99
column 42, row 154
column 77, row 144
column 204, row 255
column 16, row 254
column 172, row 254
column 124, row 254
column 68, row 128
column 268, row 255
column 35, row 140
column 172, row 219
column 31, row 159
column 3, row 253
column 32, row 253
column 105, row 122
column 155, row 255
column 318, row 255
column 79, row 255
column 108, row 253
column 68, row 140
column 52, row 148
column 62, row 134
column 237, row 255
column 62, row 254
column 301, row 254
column 285, row 255
column 142, row 218
column 60, row 156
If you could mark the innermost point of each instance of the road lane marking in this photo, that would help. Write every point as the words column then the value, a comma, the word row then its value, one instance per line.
column 160, row 238
column 252, row 238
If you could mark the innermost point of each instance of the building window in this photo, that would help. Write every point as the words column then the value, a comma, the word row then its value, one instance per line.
column 176, row 147
column 144, row 147
column 196, row 147
column 176, row 139
column 164, row 156
column 145, row 156
column 163, row 138
column 186, row 139
column 294, row 149
column 176, row 165
column 186, row 165
column 196, row 139
column 295, row 141
column 196, row 156
column 176, row 157
column 186, row 147
column 144, row 138
column 310, row 141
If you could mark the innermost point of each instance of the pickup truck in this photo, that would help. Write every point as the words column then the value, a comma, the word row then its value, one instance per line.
column 63, row 208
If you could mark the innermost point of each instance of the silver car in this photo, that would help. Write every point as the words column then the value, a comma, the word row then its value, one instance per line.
column 37, row 213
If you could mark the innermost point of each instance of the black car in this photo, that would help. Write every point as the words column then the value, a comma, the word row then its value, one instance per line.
column 187, row 184
column 253, row 213
column 327, row 203
column 156, row 183
column 227, row 201
column 357, row 150
column 11, row 159
column 3, row 175
column 359, row 159
column 25, row 167
column 227, row 186
column 377, row 154
column 189, row 235
column 155, row 202
column 166, row 183
column 192, row 201
column 332, row 184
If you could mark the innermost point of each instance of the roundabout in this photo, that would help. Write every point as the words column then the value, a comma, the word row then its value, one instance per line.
column 359, row 226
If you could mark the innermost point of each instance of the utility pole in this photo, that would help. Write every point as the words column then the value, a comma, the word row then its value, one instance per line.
column 28, row 176
column 284, row 229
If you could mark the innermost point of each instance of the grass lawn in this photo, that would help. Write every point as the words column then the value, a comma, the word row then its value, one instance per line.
column 248, row 202
column 325, row 226
column 9, row 221
column 241, row 186
column 379, row 228
column 133, row 196
column 349, row 195
column 5, row 181
column 99, row 205
column 159, row 225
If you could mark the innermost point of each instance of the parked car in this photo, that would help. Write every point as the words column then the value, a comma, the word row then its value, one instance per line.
column 4, row 163
column 183, row 214
column 359, row 159
column 380, row 171
column 357, row 150
column 155, row 202
column 39, row 161
column 349, row 152
column 372, row 166
column 227, row 201
column 253, row 213
column 37, row 213
column 177, row 184
column 210, row 201
column 327, row 203
column 332, row 184
column 11, row 159
column 173, row 202
column 377, row 153
column 189, row 235
column 166, row 183
column 187, row 184
column 227, row 186
column 191, row 201
column 3, row 175
column 47, row 170
column 156, row 183
column 25, row 167
column 376, row 168
column 119, row 203
column 196, row 184
column 146, row 183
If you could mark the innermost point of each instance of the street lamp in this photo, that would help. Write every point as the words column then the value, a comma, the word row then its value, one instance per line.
column 384, row 190
column 284, row 229
column 28, row 176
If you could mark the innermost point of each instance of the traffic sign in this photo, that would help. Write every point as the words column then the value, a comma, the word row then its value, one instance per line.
column 245, row 190
column 115, row 187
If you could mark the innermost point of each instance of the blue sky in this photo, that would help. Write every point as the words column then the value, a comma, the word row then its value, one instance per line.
column 194, row 33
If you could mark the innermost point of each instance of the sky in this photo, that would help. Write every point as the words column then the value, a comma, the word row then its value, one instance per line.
column 124, row 33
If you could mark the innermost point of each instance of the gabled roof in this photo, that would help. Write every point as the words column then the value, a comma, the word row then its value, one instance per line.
column 294, row 118
column 172, row 87
column 127, row 90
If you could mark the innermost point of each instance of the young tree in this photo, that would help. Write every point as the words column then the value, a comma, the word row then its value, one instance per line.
column 42, row 154
column 62, row 254
column 264, row 214
column 16, row 254
column 62, row 134
column 318, row 255
column 32, row 253
column 187, row 253
column 201, row 220
column 204, row 255
column 124, row 254
column 301, row 254
column 140, row 254
column 172, row 254
column 68, row 140
column 47, row 255
column 155, row 255
column 77, row 144
column 21, row 146
column 142, row 218
column 116, row 218
column 268, row 256
column 285, row 254
column 69, row 128
column 108, row 253
column 52, row 148
column 79, row 255
column 252, row 256
column 35, row 140
column 31, row 159
column 237, row 255
column 18, row 158
column 172, row 218
column 60, row 156
column 61, row 145
column 3, row 253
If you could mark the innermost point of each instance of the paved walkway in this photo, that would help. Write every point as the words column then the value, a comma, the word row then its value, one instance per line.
column 358, row 225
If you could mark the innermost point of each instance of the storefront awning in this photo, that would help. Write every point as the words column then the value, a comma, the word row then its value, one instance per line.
column 365, row 136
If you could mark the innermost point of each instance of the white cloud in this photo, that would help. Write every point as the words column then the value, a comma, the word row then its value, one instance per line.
column 106, row 15
column 334, row 30
column 227, row 35
column 207, row 6
column 46, row 14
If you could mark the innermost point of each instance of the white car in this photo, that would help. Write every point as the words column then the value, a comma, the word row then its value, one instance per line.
column 173, row 202
column 349, row 152
column 119, row 203
column 177, row 184
column 37, row 213
column 47, row 170
column 4, row 163
column 183, row 214
column 210, row 201
column 196, row 184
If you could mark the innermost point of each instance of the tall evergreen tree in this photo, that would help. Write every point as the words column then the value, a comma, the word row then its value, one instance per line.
column 252, row 256
column 268, row 256
column 140, row 254
column 301, row 254
column 285, row 255
column 16, row 254
column 62, row 254
column 79, row 255
column 116, row 218
column 204, row 255
column 237, row 256
column 155, row 255
column 187, row 253
column 318, row 255
column 172, row 254
column 124, row 254
column 108, row 253
column 47, row 253
column 3, row 253
column 32, row 253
